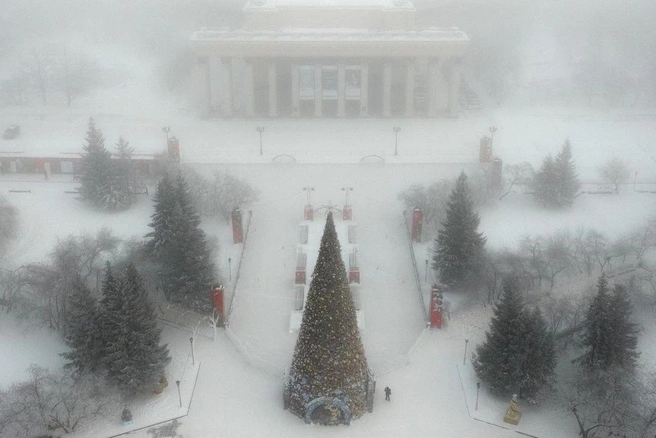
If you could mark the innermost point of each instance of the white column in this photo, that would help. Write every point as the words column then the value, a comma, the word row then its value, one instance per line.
column 364, row 89
column 387, row 90
column 205, row 90
column 226, row 74
column 410, row 89
column 296, row 110
column 273, row 90
column 454, row 88
column 433, row 71
column 318, row 92
column 341, row 87
column 215, row 69
column 250, row 92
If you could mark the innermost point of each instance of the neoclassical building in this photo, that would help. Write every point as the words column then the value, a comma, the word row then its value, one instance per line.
column 330, row 58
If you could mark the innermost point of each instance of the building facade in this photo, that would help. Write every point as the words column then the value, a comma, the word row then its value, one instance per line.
column 330, row 58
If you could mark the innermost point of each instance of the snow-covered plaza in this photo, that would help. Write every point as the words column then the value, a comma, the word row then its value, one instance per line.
column 239, row 385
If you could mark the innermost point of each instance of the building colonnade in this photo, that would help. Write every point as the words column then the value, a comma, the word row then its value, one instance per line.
column 330, row 87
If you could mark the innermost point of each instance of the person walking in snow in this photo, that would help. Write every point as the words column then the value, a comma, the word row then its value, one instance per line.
column 388, row 391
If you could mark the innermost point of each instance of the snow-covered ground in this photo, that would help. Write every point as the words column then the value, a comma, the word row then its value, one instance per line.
column 240, row 381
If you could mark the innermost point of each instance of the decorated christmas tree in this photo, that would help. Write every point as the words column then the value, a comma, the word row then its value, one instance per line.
column 328, row 377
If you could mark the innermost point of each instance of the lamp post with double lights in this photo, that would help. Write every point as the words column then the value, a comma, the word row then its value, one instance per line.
column 396, row 130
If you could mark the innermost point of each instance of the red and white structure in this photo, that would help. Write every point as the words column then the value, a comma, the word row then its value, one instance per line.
column 310, row 231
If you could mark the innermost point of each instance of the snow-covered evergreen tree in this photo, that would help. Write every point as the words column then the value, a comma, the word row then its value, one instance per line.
column 120, row 190
column 164, row 203
column 556, row 183
column 568, row 180
column 82, row 335
column 95, row 167
column 498, row 360
column 180, row 245
column 610, row 337
column 103, row 183
column 518, row 353
column 329, row 357
column 624, row 332
column 597, row 325
column 133, row 357
column 539, row 355
column 459, row 246
column 545, row 183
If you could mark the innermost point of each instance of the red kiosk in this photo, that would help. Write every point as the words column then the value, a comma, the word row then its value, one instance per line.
column 354, row 269
column 237, row 227
column 217, row 297
column 347, row 213
column 436, row 306
column 173, row 150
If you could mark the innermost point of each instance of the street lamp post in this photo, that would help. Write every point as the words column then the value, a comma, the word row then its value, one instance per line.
column 177, row 382
column 493, row 129
column 396, row 130
column 166, row 131
column 193, row 359
column 347, row 190
column 464, row 358
column 426, row 272
column 478, row 388
column 260, row 129
column 309, row 195
column 635, row 180
column 230, row 268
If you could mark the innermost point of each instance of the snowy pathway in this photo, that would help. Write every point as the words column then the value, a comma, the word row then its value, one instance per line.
column 265, row 295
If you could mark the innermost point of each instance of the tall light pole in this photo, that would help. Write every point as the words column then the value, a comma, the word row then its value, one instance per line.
column 260, row 129
column 426, row 272
column 177, row 382
column 309, row 191
column 230, row 268
column 635, row 180
column 493, row 129
column 347, row 190
column 396, row 130
column 166, row 131
column 193, row 359
column 478, row 388
column 465, row 356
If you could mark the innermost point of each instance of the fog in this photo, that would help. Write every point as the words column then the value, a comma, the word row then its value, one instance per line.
column 590, row 53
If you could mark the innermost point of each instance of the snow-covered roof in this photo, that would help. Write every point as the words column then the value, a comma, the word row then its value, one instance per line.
column 333, row 35
column 380, row 4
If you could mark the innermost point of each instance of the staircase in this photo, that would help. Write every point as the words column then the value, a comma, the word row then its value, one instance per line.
column 469, row 100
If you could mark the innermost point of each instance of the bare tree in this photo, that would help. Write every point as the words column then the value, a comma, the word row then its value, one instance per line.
column 45, row 286
column 51, row 402
column 518, row 174
column 74, row 73
column 215, row 321
column 643, row 240
column 220, row 194
column 558, row 255
column 615, row 172
column 36, row 69
column 534, row 249
column 600, row 403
